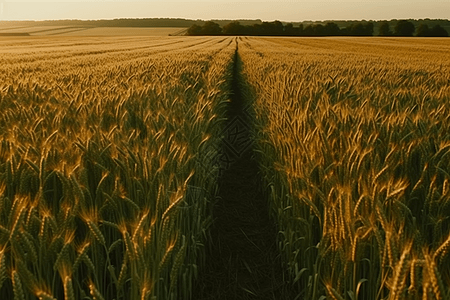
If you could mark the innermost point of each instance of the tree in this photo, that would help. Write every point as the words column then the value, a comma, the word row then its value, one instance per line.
column 308, row 31
column 211, row 28
column 384, row 29
column 278, row 27
column 272, row 28
column 233, row 28
column 194, row 30
column 368, row 28
column 319, row 30
column 300, row 29
column 438, row 30
column 404, row 28
column 423, row 30
column 289, row 29
column 332, row 29
column 255, row 29
column 359, row 29
column 356, row 29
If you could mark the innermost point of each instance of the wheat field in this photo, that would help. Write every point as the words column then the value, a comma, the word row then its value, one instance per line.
column 103, row 192
column 107, row 183
column 353, row 138
column 88, row 31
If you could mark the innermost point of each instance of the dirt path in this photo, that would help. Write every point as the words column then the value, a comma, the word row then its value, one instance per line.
column 243, row 262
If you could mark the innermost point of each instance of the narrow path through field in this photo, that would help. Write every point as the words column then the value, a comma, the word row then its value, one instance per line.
column 243, row 262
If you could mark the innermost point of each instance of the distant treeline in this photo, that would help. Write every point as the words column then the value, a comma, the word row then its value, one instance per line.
column 277, row 28
column 410, row 27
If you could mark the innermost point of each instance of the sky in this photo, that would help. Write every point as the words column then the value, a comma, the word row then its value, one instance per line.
column 269, row 10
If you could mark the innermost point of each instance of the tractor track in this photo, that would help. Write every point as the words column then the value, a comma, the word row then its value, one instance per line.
column 243, row 260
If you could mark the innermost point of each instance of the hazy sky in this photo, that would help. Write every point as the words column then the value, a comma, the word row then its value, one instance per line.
column 285, row 10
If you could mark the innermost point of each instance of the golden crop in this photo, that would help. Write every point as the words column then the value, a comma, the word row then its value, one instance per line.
column 353, row 137
column 102, row 192
column 107, row 182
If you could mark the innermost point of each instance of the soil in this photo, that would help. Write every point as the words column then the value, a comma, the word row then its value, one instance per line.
column 243, row 260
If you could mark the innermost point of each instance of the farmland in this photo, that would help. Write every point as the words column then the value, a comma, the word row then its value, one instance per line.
column 224, row 168
column 353, row 137
column 102, row 191
column 84, row 30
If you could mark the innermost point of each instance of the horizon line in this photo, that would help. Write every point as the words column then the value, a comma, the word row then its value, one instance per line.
column 222, row 19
